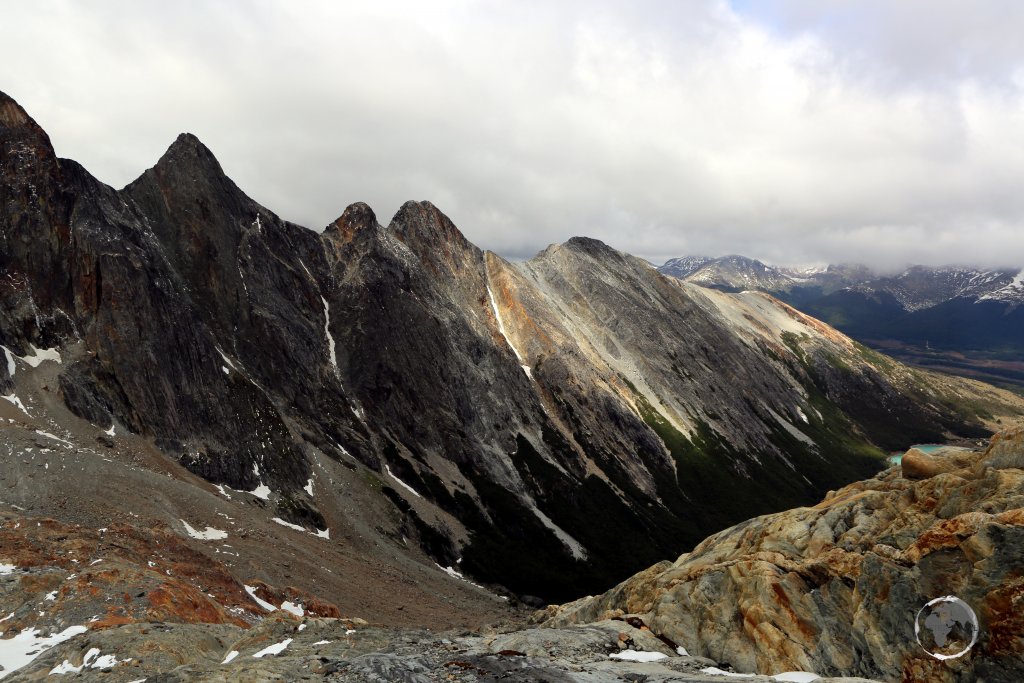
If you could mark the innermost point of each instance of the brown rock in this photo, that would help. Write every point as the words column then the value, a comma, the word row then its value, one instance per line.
column 919, row 465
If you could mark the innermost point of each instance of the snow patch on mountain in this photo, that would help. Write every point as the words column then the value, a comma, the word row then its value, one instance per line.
column 1011, row 293
column 16, row 402
column 210, row 534
column 401, row 483
column 327, row 331
column 501, row 328
column 20, row 650
column 40, row 355
column 574, row 546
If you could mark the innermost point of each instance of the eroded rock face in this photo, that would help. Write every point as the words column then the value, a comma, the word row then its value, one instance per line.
column 835, row 588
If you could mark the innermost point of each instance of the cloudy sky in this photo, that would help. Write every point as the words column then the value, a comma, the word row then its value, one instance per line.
column 796, row 131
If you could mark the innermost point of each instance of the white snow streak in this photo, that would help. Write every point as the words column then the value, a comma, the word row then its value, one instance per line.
column 275, row 649
column 259, row 601
column 450, row 571
column 574, row 546
column 501, row 328
column 791, row 428
column 210, row 534
column 226, row 359
column 48, row 435
column 287, row 524
column 10, row 361
column 637, row 656
column 13, row 399
column 327, row 329
column 402, row 483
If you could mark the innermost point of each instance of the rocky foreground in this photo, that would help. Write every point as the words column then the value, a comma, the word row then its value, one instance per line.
column 832, row 589
column 284, row 648
column 835, row 588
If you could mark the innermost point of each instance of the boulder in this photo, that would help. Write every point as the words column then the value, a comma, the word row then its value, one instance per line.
column 917, row 464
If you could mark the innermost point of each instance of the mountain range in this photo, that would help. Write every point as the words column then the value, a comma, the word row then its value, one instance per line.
column 968, row 321
column 234, row 411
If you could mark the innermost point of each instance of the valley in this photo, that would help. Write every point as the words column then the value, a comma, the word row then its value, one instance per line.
column 965, row 321
column 221, row 429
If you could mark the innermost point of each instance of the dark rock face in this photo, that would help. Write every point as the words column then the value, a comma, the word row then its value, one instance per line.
column 562, row 422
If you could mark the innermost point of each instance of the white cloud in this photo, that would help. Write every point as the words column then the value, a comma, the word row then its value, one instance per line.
column 662, row 128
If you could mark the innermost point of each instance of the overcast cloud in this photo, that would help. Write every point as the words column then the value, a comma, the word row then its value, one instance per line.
column 796, row 131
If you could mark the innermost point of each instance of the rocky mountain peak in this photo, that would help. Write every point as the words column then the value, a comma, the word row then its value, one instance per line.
column 589, row 245
column 11, row 113
column 683, row 266
column 575, row 248
column 189, row 154
column 15, row 122
column 424, row 224
column 355, row 218
column 432, row 236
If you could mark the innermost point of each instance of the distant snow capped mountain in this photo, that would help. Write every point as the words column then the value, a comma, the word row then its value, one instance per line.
column 729, row 273
column 921, row 287
column 1012, row 293
column 684, row 266
column 830, row 278
column 916, row 288
column 964, row 320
